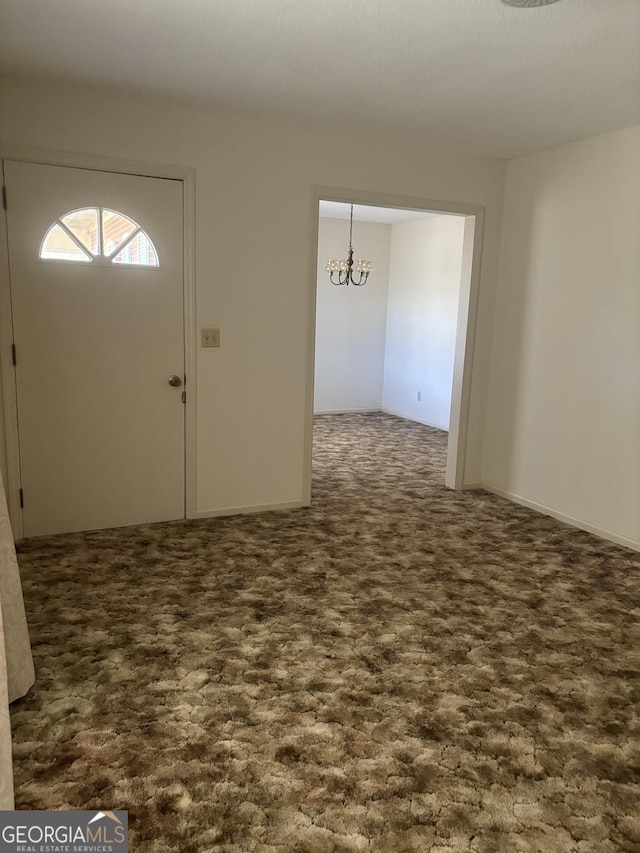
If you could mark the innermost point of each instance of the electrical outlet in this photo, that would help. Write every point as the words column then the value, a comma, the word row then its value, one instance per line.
column 419, row 396
column 210, row 338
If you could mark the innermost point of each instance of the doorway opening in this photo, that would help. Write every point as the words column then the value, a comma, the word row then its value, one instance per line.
column 401, row 344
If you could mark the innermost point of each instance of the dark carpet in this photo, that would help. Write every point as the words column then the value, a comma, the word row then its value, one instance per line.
column 399, row 667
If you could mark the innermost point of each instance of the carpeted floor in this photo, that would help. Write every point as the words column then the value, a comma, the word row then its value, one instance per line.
column 398, row 668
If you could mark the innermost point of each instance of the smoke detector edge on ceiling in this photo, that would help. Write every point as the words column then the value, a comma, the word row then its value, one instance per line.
column 528, row 4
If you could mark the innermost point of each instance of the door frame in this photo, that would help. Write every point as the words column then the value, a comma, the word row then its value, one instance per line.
column 9, row 389
column 465, row 327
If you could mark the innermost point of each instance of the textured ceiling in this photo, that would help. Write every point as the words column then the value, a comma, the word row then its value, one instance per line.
column 476, row 75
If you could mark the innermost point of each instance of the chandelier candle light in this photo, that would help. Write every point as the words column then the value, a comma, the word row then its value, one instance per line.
column 344, row 269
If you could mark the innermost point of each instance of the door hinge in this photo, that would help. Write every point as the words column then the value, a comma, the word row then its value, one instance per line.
column 184, row 396
column 13, row 354
column 4, row 198
column 21, row 499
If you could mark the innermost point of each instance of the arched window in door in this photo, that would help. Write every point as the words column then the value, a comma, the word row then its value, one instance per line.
column 93, row 234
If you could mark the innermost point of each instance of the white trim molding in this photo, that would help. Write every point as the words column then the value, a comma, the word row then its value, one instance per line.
column 347, row 411
column 396, row 414
column 563, row 517
column 249, row 510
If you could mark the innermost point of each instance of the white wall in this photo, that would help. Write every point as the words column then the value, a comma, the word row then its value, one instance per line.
column 255, row 256
column 351, row 321
column 424, row 290
column 563, row 426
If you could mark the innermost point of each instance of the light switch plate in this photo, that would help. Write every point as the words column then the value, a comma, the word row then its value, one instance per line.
column 210, row 338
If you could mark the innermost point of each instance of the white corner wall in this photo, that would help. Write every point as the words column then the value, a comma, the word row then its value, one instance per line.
column 255, row 257
column 351, row 321
column 424, row 291
column 563, row 426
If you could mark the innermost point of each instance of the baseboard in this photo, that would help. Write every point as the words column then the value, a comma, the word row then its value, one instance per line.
column 411, row 418
column 248, row 510
column 345, row 411
column 564, row 517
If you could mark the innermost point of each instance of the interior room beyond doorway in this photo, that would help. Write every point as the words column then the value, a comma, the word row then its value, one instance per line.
column 390, row 344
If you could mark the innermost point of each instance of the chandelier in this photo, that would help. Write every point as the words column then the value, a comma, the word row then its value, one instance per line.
column 344, row 269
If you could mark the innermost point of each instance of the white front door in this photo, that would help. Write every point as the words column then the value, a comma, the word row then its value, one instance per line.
column 96, row 271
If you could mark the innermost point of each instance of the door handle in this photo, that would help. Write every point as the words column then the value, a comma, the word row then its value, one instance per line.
column 175, row 381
